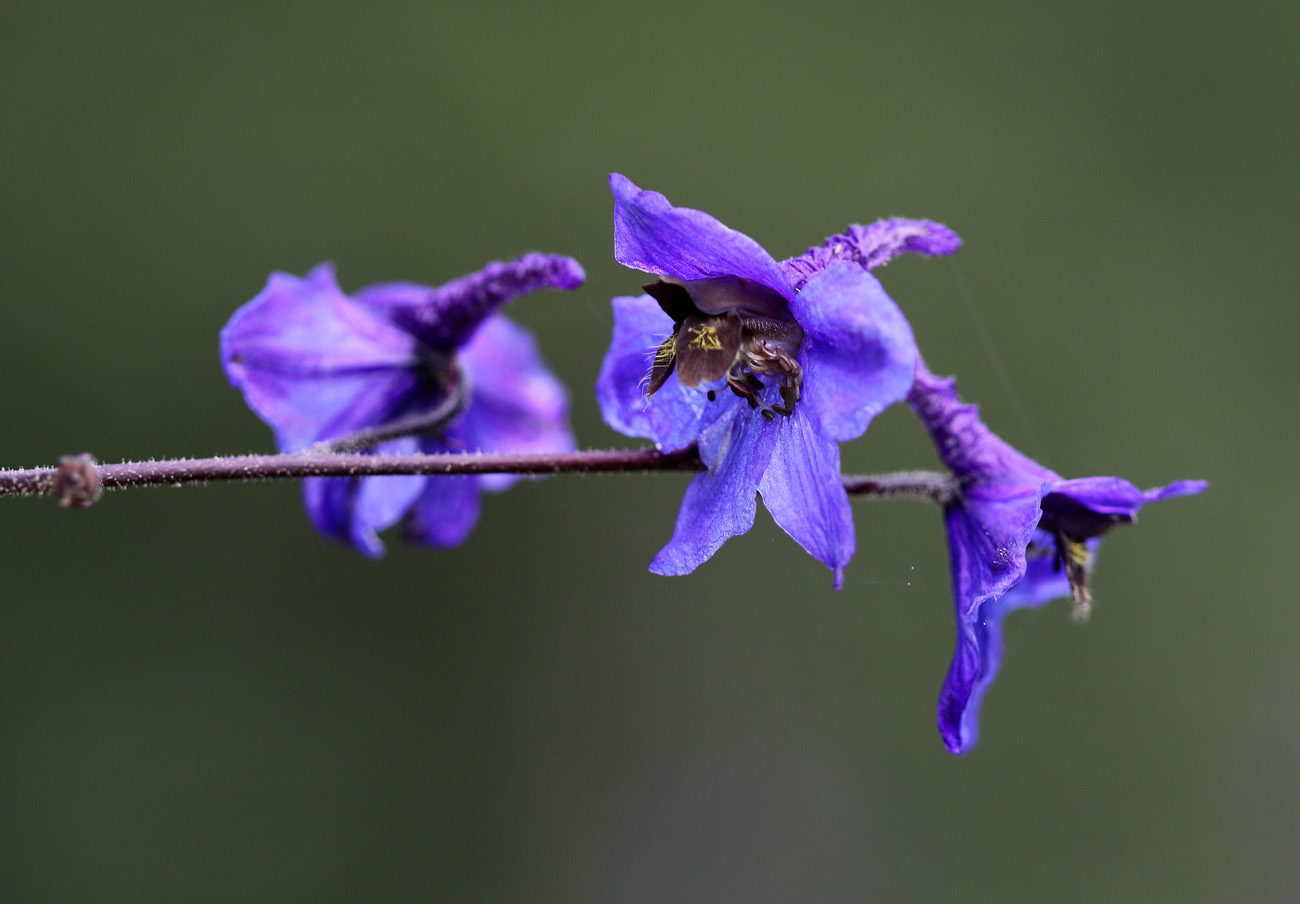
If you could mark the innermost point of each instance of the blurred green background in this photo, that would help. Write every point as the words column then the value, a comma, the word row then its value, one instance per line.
column 204, row 701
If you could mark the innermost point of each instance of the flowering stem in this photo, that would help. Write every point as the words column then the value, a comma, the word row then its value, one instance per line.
column 78, row 480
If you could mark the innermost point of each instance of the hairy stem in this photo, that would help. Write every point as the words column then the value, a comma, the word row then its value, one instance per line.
column 78, row 480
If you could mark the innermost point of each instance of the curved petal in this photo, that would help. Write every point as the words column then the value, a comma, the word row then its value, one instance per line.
column 801, row 487
column 447, row 316
column 516, row 403
column 652, row 235
column 872, row 246
column 719, row 504
column 858, row 354
column 313, row 364
column 674, row 416
column 445, row 513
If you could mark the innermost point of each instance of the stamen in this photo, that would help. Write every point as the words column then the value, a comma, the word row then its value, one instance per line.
column 1077, row 561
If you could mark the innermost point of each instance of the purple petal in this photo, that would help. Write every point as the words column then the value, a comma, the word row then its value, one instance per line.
column 311, row 363
column 1088, row 506
column 652, row 235
column 516, row 404
column 978, row 656
column 446, row 512
column 1177, row 488
column 858, row 355
column 354, row 511
column 674, row 416
column 719, row 504
column 871, row 246
column 801, row 487
column 980, row 573
column 328, row 501
column 446, row 317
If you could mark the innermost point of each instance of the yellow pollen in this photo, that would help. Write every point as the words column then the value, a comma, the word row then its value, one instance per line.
column 706, row 339
column 1077, row 552
column 664, row 353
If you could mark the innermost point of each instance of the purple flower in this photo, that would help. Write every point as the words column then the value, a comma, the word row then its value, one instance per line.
column 768, row 366
column 317, row 365
column 1019, row 535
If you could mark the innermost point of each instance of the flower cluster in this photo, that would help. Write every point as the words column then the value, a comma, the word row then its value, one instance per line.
column 763, row 367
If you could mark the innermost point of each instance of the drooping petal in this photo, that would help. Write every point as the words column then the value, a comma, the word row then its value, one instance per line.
column 516, row 403
column 446, row 512
column 313, row 364
column 801, row 487
column 980, row 574
column 719, row 504
column 858, row 355
column 674, row 416
column 354, row 510
column 447, row 316
column 652, row 235
column 871, row 246
column 978, row 656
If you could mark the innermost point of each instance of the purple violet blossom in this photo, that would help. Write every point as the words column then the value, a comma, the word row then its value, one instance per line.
column 768, row 366
column 1019, row 536
column 316, row 364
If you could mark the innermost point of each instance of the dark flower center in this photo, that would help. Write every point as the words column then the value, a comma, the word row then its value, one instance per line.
column 728, row 328
column 1070, row 524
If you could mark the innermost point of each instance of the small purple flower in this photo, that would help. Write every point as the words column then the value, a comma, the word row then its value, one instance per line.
column 317, row 365
column 1019, row 535
column 768, row 366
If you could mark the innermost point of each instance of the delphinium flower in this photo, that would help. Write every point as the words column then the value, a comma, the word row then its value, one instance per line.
column 768, row 366
column 1019, row 535
column 316, row 365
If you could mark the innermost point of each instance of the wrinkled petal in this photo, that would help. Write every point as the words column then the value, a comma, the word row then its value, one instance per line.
column 447, row 316
column 516, row 404
column 964, row 443
column 858, row 355
column 720, row 503
column 313, row 364
column 652, row 235
column 801, row 487
column 446, row 512
column 354, row 510
column 674, row 416
column 871, row 246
